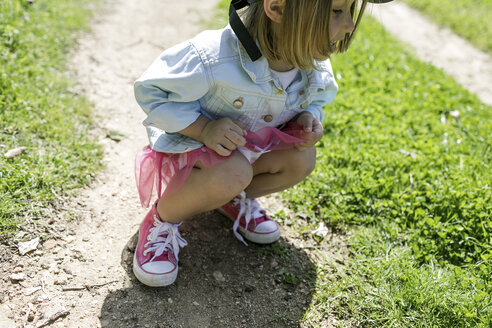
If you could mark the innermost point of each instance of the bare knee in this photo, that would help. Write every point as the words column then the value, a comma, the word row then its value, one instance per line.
column 232, row 176
column 301, row 163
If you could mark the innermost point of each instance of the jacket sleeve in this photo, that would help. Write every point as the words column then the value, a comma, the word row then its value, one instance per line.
column 170, row 89
column 326, row 91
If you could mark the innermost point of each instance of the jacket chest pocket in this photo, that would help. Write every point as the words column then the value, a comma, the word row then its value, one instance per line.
column 300, row 101
column 233, row 103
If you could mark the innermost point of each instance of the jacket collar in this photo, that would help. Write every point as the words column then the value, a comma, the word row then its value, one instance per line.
column 258, row 70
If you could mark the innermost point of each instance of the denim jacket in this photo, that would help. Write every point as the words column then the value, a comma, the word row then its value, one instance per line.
column 212, row 75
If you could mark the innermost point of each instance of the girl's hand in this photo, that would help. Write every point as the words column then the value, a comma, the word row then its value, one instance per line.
column 223, row 135
column 313, row 130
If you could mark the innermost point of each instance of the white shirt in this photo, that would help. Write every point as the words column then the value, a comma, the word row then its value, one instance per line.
column 286, row 78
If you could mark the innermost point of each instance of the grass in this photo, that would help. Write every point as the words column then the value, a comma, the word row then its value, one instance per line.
column 391, row 288
column 404, row 167
column 405, row 145
column 39, row 108
column 469, row 19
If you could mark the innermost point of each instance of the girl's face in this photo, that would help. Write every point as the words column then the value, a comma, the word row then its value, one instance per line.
column 341, row 21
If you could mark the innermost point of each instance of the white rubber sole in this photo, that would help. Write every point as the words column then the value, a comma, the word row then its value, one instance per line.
column 153, row 280
column 258, row 238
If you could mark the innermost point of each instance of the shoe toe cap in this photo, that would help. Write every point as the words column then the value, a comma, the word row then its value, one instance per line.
column 267, row 227
column 159, row 267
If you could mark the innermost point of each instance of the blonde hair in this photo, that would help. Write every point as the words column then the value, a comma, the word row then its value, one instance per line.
column 304, row 31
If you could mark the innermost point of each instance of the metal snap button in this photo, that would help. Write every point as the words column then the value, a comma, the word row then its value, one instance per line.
column 238, row 103
column 268, row 118
column 305, row 105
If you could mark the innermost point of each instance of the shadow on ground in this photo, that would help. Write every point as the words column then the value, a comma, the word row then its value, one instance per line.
column 221, row 283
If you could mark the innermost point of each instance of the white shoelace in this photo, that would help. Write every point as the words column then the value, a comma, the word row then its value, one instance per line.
column 159, row 244
column 249, row 208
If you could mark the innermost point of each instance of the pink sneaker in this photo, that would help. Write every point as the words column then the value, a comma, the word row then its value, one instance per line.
column 155, row 262
column 247, row 212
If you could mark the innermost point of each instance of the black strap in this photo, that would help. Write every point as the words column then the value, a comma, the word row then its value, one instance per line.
column 242, row 33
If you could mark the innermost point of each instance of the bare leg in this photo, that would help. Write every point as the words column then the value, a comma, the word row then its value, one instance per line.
column 206, row 189
column 278, row 170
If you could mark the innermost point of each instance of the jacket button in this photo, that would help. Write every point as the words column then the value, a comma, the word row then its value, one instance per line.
column 305, row 105
column 268, row 118
column 238, row 103
column 301, row 92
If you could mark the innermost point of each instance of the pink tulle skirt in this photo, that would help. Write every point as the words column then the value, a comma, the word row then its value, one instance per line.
column 164, row 173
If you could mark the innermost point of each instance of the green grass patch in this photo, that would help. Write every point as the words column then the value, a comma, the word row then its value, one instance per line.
column 405, row 149
column 406, row 154
column 39, row 109
column 390, row 288
column 470, row 19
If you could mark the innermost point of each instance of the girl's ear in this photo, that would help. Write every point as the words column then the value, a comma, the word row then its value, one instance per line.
column 274, row 9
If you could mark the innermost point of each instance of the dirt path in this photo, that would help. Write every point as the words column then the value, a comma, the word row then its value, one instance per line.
column 80, row 275
column 469, row 66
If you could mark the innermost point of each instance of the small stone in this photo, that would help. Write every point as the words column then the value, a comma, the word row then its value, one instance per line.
column 60, row 282
column 42, row 298
column 170, row 300
column 219, row 276
column 85, row 239
column 49, row 244
column 17, row 277
column 321, row 231
column 15, row 152
column 28, row 246
column 30, row 316
column 195, row 303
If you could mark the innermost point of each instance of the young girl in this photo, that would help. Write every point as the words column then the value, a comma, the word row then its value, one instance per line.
column 233, row 115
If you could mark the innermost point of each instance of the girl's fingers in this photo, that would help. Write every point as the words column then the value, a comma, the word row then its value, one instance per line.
column 219, row 149
column 228, row 144
column 317, row 128
column 308, row 125
column 236, row 137
column 239, row 123
column 242, row 127
column 301, row 147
